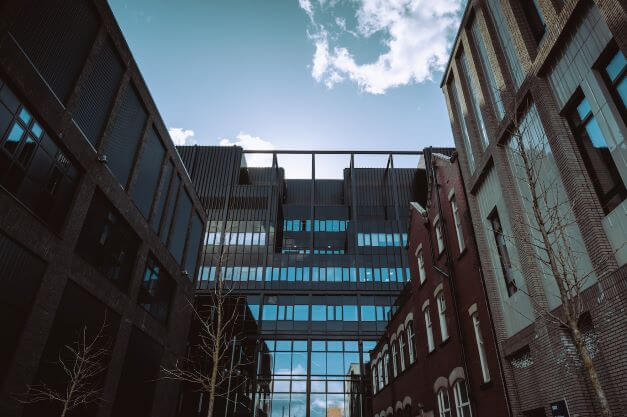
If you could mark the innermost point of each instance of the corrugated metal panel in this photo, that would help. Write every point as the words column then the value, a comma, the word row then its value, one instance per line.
column 179, row 229
column 96, row 95
column 121, row 145
column 46, row 30
column 149, row 168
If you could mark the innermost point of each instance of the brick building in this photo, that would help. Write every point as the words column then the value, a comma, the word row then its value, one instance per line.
column 550, row 73
column 438, row 355
column 98, row 217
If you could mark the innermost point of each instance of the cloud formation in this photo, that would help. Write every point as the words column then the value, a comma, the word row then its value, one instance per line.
column 417, row 36
column 248, row 141
column 181, row 136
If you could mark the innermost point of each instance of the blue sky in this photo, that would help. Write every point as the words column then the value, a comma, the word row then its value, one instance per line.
column 296, row 74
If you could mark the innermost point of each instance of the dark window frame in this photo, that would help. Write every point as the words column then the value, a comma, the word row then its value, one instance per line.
column 503, row 252
column 612, row 86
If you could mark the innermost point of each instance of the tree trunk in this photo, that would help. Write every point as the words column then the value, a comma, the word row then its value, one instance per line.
column 64, row 412
column 216, row 351
column 591, row 371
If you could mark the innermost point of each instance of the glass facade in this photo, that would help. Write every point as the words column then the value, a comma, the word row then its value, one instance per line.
column 320, row 263
column 506, row 41
column 474, row 99
column 456, row 100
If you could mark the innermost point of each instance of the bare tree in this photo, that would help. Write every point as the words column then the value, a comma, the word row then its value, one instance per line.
column 554, row 239
column 82, row 362
column 210, row 366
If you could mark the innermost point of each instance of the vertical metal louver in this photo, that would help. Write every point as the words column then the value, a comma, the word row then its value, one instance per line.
column 121, row 145
column 57, row 36
column 96, row 95
column 149, row 167
column 179, row 229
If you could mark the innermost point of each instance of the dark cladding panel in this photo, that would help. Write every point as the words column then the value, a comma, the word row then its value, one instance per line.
column 20, row 277
column 96, row 95
column 169, row 210
column 179, row 229
column 136, row 385
column 155, row 221
column 329, row 192
column 149, row 168
column 121, row 145
column 77, row 311
column 193, row 244
column 57, row 36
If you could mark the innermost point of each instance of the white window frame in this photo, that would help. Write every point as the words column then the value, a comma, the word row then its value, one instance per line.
column 394, row 359
column 442, row 316
column 437, row 224
column 429, row 328
column 401, row 349
column 459, row 405
column 442, row 406
column 458, row 224
column 421, row 265
column 374, row 377
column 483, row 360
column 386, row 368
column 380, row 374
column 410, row 342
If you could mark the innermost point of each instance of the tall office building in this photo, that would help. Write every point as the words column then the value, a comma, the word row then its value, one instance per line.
column 321, row 262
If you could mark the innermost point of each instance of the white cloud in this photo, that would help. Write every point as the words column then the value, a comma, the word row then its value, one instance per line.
column 307, row 7
column 417, row 34
column 247, row 141
column 181, row 136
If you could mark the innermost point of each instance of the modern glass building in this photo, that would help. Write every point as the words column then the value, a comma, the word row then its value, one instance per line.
column 320, row 261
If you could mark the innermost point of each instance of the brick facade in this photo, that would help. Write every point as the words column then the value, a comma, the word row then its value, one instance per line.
column 539, row 361
column 457, row 277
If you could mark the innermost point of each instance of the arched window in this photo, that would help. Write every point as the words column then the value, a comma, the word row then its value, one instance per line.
column 444, row 404
column 386, row 367
column 410, row 342
column 401, row 349
column 374, row 377
column 430, row 343
column 481, row 348
column 462, row 402
column 442, row 315
column 394, row 359
column 380, row 373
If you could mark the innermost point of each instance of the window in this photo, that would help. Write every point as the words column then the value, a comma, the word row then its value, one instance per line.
column 480, row 348
column 443, row 403
column 501, row 247
column 157, row 289
column 506, row 41
column 401, row 349
column 462, row 402
column 615, row 75
column 410, row 342
column 458, row 225
column 32, row 166
column 386, row 367
column 107, row 242
column 474, row 99
column 428, row 326
column 421, row 266
column 374, row 378
column 456, row 99
column 442, row 316
column 596, row 156
column 394, row 360
column 439, row 236
column 534, row 17
column 488, row 72
column 380, row 373
column 301, row 312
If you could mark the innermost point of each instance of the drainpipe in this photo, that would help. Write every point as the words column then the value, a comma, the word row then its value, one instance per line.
column 485, row 295
column 449, row 264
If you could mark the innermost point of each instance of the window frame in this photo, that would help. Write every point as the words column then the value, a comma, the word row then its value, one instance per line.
column 502, row 252
column 457, row 395
column 441, row 303
column 410, row 342
column 612, row 50
column 483, row 359
column 458, row 224
column 442, row 406
column 429, row 329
